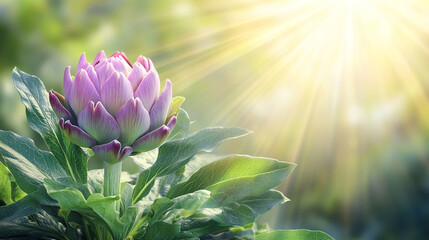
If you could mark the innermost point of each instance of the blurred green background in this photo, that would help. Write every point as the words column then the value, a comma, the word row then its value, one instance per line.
column 340, row 87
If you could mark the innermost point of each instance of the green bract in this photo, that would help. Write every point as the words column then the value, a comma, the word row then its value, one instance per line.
column 178, row 194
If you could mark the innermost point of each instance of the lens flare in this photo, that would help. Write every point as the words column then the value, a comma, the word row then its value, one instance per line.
column 330, row 85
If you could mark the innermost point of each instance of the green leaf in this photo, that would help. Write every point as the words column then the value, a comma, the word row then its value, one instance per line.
column 264, row 202
column 17, row 193
column 171, row 179
column 235, row 215
column 131, row 219
column 247, row 210
column 42, row 224
column 12, row 230
column 103, row 209
column 175, row 154
column 126, row 196
column 176, row 103
column 182, row 126
column 159, row 207
column 43, row 120
column 301, row 234
column 19, row 209
column 5, row 185
column 67, row 182
column 191, row 201
column 199, row 161
column 200, row 226
column 28, row 164
column 96, row 180
column 235, row 177
column 162, row 231
column 145, row 159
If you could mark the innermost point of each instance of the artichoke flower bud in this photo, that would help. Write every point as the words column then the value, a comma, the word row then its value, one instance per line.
column 113, row 107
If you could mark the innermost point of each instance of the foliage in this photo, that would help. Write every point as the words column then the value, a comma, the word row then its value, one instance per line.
column 167, row 199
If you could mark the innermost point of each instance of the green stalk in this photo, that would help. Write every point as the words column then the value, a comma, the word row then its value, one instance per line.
column 112, row 178
column 112, row 185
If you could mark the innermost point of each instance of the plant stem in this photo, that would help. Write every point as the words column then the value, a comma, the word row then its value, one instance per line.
column 112, row 178
column 112, row 186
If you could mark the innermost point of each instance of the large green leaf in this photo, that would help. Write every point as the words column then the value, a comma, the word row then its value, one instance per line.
column 28, row 164
column 301, row 234
column 43, row 120
column 175, row 154
column 19, row 209
column 235, row 177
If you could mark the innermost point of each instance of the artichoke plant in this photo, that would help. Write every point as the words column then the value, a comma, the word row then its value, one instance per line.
column 114, row 107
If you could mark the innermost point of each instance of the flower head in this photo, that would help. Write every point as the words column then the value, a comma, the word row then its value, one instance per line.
column 114, row 107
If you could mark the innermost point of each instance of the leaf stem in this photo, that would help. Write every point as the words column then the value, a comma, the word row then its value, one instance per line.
column 135, row 200
column 137, row 226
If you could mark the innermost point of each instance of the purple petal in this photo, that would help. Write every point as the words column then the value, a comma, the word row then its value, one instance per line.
column 98, row 123
column 111, row 152
column 126, row 152
column 104, row 70
column 133, row 120
column 123, row 56
column 121, row 66
column 172, row 123
column 136, row 75
column 100, row 55
column 56, row 100
column 115, row 92
column 144, row 62
column 93, row 76
column 82, row 63
column 150, row 64
column 148, row 90
column 159, row 112
column 76, row 135
column 67, row 83
column 82, row 92
column 151, row 140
